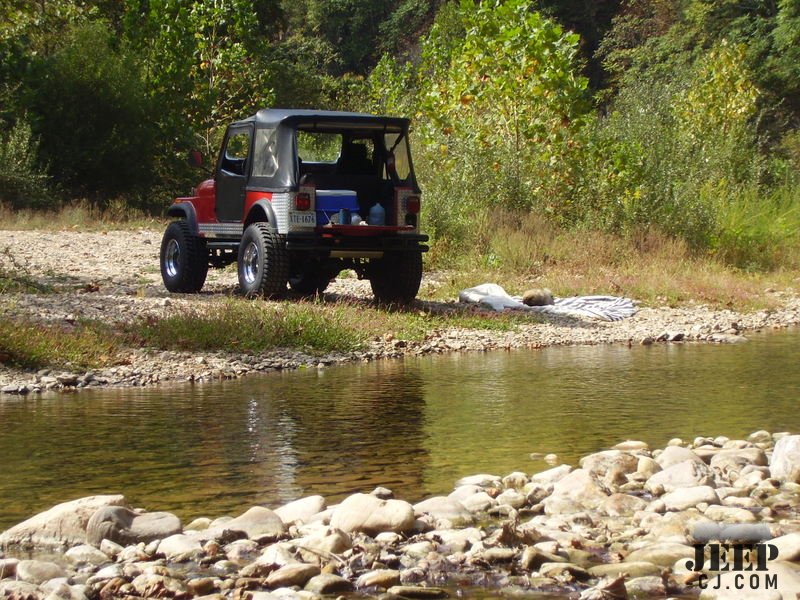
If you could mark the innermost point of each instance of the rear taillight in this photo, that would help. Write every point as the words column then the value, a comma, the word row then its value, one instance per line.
column 302, row 201
column 412, row 204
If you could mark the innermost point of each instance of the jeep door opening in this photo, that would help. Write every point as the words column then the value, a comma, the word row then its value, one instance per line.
column 296, row 197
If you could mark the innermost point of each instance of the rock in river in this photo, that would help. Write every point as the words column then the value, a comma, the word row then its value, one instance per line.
column 371, row 515
column 785, row 462
column 62, row 525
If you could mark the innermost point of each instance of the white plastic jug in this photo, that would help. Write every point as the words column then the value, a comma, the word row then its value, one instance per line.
column 377, row 215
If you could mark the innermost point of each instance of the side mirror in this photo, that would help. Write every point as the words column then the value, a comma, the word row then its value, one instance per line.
column 195, row 159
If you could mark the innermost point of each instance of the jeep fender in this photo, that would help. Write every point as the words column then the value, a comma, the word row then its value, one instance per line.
column 262, row 210
column 185, row 210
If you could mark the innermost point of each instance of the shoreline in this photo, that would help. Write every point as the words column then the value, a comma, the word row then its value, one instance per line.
column 91, row 284
column 626, row 522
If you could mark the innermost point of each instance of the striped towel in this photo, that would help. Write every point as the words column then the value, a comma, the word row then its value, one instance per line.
column 604, row 308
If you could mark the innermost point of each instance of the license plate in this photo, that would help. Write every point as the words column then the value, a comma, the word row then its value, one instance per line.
column 308, row 219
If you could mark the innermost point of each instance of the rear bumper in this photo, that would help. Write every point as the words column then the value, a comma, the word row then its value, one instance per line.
column 342, row 242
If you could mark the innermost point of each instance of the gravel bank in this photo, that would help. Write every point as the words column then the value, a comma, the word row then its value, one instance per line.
column 114, row 276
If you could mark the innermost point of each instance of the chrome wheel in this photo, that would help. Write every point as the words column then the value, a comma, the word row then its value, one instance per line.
column 172, row 257
column 250, row 263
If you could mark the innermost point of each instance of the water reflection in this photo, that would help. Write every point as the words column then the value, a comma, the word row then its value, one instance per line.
column 414, row 426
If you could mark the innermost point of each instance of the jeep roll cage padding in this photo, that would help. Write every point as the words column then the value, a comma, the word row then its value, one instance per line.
column 286, row 122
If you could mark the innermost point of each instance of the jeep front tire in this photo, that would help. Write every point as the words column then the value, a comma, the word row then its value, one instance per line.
column 263, row 262
column 184, row 259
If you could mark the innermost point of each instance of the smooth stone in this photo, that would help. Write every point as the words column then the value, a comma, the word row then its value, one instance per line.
column 328, row 583
column 481, row 480
column 673, row 455
column 788, row 546
column 462, row 492
column 86, row 555
column 371, row 515
column 62, row 525
column 409, row 591
column 515, row 480
column 730, row 514
column 647, row 466
column 687, row 497
column 180, row 547
column 480, row 502
column 158, row 586
column 198, row 524
column 512, row 498
column 785, row 462
column 551, row 475
column 650, row 586
column 618, row 505
column 277, row 554
column 109, row 572
column 728, row 461
column 444, row 507
column 632, row 446
column 499, row 555
column 576, row 492
column 11, row 588
column 38, row 571
column 632, row 569
column 456, row 540
column 379, row 578
column 554, row 570
column 600, row 463
column 258, row 523
column 124, row 526
column 8, row 567
column 418, row 549
column 110, row 548
column 318, row 547
column 689, row 473
column 301, row 510
column 289, row 575
column 760, row 437
column 532, row 558
column 663, row 554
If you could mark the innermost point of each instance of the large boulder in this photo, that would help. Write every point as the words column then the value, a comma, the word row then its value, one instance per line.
column 127, row 527
column 371, row 515
column 63, row 525
column 785, row 462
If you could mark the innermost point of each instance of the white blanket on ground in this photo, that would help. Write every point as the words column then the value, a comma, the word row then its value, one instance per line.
column 605, row 308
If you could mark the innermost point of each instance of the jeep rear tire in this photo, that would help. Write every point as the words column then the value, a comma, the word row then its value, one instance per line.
column 263, row 262
column 395, row 278
column 183, row 258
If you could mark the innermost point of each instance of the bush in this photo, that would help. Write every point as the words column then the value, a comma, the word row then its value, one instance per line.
column 95, row 117
column 24, row 183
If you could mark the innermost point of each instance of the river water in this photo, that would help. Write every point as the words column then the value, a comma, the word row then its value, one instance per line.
column 414, row 426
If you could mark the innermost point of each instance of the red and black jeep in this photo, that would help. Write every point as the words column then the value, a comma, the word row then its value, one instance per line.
column 297, row 196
